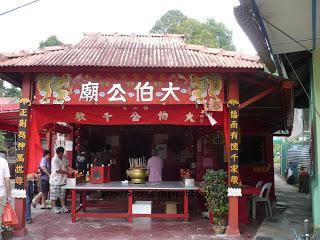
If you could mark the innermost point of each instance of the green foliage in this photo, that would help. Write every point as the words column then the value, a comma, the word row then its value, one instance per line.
column 2, row 89
column 222, row 34
column 216, row 193
column 196, row 33
column 7, row 232
column 168, row 22
column 13, row 92
column 9, row 92
column 50, row 41
column 210, row 34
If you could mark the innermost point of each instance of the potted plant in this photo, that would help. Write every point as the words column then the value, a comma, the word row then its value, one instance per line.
column 186, row 177
column 7, row 232
column 215, row 190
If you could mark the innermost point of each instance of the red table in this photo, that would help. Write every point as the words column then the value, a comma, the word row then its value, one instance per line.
column 243, row 202
column 128, row 191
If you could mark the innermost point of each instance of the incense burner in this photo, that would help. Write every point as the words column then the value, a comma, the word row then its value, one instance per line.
column 137, row 175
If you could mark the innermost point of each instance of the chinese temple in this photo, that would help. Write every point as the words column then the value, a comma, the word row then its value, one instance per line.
column 200, row 107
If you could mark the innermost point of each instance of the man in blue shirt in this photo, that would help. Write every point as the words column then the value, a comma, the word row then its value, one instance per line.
column 45, row 169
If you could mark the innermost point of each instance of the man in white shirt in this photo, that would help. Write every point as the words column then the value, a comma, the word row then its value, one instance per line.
column 5, row 188
column 59, row 170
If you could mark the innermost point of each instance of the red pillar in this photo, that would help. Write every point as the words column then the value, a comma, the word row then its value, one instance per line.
column 233, row 214
column 20, row 229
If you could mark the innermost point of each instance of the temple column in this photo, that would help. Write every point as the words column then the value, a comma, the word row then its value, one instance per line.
column 20, row 201
column 233, row 212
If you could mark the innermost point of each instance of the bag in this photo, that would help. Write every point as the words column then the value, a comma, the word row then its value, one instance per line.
column 9, row 216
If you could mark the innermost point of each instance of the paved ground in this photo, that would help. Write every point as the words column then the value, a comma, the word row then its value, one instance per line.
column 291, row 210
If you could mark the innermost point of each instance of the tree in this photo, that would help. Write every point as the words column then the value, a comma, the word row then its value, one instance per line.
column 9, row 92
column 168, row 22
column 196, row 33
column 50, row 41
column 223, row 35
column 2, row 89
column 210, row 34
column 13, row 92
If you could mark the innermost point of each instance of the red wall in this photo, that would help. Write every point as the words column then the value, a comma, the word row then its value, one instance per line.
column 250, row 173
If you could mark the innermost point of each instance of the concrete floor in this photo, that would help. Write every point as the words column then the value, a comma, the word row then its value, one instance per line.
column 291, row 210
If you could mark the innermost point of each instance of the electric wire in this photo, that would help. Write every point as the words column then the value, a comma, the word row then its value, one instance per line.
column 284, row 33
column 293, row 70
column 304, row 89
column 16, row 8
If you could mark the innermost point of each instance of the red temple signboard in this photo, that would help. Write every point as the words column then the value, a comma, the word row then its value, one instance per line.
column 131, row 88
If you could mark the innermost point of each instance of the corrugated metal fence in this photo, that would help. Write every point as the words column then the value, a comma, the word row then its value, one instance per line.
column 298, row 156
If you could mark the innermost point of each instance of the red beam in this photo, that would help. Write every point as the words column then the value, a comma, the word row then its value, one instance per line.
column 103, row 215
column 105, row 206
column 258, row 96
column 158, row 215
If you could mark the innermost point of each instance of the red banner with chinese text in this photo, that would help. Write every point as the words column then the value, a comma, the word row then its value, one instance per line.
column 112, row 115
column 130, row 88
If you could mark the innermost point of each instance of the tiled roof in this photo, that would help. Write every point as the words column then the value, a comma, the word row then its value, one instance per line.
column 132, row 51
column 8, row 101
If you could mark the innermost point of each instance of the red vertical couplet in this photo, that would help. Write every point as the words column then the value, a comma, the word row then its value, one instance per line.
column 21, row 144
column 233, row 106
column 20, row 203
column 68, row 147
column 233, row 172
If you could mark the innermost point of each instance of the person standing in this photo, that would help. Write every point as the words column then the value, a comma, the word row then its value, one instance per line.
column 104, row 156
column 30, row 193
column 82, row 162
column 58, row 178
column 45, row 171
column 154, row 166
column 5, row 188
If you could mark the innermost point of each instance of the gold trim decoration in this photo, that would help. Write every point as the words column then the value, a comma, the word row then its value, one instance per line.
column 25, row 101
column 233, row 102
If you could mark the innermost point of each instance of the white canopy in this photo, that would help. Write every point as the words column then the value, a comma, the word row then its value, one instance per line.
column 294, row 17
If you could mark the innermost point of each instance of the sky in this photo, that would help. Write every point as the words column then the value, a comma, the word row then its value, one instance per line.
column 24, row 28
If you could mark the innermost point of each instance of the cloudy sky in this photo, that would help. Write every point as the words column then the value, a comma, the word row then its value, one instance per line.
column 69, row 19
